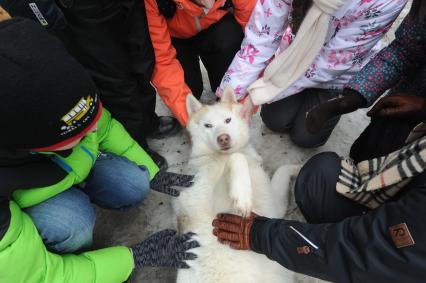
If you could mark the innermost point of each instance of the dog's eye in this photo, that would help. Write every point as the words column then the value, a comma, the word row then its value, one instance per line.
column 227, row 121
column 208, row 125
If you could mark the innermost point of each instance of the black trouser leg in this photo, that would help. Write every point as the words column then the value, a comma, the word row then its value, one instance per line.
column 216, row 46
column 299, row 133
column 290, row 113
column 316, row 194
column 279, row 116
column 219, row 44
column 187, row 53
column 315, row 187
column 111, row 40
column 382, row 136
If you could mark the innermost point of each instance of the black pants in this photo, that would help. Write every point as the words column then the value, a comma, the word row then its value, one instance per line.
column 216, row 46
column 315, row 188
column 289, row 115
column 111, row 40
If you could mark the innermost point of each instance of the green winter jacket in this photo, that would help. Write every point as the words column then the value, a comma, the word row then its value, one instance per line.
column 23, row 256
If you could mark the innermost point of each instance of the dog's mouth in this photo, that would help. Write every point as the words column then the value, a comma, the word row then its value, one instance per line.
column 226, row 148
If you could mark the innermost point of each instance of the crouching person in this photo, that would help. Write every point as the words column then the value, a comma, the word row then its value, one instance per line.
column 364, row 214
column 60, row 152
column 364, row 220
column 344, row 241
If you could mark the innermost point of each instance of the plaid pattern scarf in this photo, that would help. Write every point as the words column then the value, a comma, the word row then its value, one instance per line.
column 373, row 182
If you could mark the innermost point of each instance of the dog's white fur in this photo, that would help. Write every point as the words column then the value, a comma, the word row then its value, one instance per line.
column 230, row 181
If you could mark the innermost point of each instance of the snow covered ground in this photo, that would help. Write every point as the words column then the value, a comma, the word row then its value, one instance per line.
column 126, row 228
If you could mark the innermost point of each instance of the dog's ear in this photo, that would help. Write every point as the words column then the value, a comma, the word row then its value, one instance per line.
column 228, row 95
column 192, row 104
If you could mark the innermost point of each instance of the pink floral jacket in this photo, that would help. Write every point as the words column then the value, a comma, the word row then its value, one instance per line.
column 353, row 39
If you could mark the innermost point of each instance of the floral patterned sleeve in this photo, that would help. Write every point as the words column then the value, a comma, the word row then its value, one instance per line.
column 352, row 37
column 267, row 25
column 393, row 63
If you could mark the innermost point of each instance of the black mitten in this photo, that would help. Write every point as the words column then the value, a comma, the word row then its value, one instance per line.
column 320, row 114
column 165, row 249
column 164, row 181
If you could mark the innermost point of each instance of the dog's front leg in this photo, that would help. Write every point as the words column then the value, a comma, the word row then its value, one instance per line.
column 240, row 183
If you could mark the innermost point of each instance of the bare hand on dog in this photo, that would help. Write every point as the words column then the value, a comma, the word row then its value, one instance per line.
column 399, row 106
column 233, row 230
column 248, row 109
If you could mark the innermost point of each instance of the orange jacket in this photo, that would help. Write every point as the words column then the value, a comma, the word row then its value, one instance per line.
column 189, row 19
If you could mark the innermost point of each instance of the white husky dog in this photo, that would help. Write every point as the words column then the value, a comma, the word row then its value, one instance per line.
column 229, row 178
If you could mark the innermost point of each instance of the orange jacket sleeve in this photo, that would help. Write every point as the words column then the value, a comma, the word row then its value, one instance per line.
column 168, row 76
column 242, row 10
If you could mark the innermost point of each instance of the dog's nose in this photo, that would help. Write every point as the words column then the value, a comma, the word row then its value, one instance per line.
column 224, row 140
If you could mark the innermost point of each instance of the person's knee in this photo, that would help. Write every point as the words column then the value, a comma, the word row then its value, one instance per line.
column 117, row 183
column 130, row 188
column 320, row 172
column 135, row 188
column 65, row 222
column 303, row 139
column 269, row 118
column 73, row 237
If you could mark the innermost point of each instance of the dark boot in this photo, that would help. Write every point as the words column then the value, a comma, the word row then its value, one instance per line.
column 168, row 126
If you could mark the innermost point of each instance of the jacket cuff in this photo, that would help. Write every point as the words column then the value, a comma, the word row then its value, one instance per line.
column 256, row 233
column 113, row 264
column 358, row 86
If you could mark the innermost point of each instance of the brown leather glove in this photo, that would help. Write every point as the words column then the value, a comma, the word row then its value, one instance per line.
column 4, row 15
column 233, row 230
column 399, row 106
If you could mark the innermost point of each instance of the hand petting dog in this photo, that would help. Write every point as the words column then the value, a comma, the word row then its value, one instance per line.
column 233, row 230
column 165, row 249
column 164, row 181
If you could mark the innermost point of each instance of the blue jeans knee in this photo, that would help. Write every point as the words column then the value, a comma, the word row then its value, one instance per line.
column 65, row 222
column 117, row 183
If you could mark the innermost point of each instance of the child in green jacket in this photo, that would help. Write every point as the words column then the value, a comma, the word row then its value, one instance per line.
column 59, row 152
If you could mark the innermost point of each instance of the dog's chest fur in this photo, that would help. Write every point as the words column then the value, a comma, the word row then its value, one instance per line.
column 214, row 176
column 210, row 194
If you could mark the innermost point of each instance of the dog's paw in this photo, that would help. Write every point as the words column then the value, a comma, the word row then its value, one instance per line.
column 243, row 204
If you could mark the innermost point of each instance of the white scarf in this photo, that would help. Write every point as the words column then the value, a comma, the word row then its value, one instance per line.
column 287, row 67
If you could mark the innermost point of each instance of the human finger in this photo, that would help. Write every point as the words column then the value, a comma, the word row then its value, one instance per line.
column 236, row 219
column 226, row 226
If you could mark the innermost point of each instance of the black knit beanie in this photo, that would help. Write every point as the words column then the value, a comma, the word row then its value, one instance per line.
column 46, row 97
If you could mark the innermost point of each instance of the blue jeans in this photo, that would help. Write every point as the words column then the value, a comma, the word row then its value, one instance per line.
column 66, row 221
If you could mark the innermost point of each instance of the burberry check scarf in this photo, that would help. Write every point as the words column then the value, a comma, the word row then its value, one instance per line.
column 373, row 182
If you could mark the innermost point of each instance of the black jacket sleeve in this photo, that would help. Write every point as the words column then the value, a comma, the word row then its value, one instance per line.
column 385, row 245
column 44, row 12
column 111, row 40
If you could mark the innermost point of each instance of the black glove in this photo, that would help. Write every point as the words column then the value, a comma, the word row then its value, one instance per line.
column 44, row 12
column 163, row 181
column 320, row 114
column 165, row 249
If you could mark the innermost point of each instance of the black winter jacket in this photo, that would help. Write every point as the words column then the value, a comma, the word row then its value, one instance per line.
column 357, row 249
